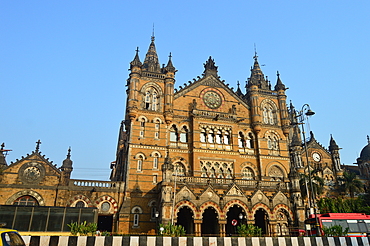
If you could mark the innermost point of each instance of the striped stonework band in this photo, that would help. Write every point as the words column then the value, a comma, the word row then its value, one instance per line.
column 193, row 241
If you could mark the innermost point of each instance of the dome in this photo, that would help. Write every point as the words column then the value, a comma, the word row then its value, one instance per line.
column 365, row 153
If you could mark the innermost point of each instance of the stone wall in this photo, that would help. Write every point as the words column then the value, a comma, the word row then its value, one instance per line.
column 192, row 241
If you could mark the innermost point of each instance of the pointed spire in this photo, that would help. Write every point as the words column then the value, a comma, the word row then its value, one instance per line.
column 312, row 137
column 151, row 62
column 2, row 156
column 210, row 68
column 368, row 139
column 333, row 145
column 136, row 61
column 38, row 145
column 170, row 67
column 239, row 91
column 296, row 139
column 67, row 163
column 257, row 77
column 279, row 85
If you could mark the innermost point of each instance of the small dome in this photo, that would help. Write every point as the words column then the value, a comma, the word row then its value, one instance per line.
column 365, row 153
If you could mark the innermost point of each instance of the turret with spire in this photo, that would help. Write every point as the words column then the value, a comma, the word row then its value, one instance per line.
column 257, row 77
column 66, row 168
column 169, row 82
column 151, row 62
column 334, row 150
column 280, row 88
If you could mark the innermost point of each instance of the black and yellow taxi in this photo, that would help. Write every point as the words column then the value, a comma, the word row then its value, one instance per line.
column 10, row 237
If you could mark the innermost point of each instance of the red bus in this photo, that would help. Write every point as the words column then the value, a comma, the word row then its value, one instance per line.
column 358, row 223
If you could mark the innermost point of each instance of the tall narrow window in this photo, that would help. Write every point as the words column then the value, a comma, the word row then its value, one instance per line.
column 184, row 135
column 265, row 116
column 173, row 134
column 142, row 128
column 241, row 140
column 154, row 100
column 155, row 179
column 203, row 136
column 226, row 137
column 218, row 137
column 155, row 161
column 140, row 163
column 250, row 141
column 210, row 137
column 151, row 99
column 156, row 129
column 271, row 116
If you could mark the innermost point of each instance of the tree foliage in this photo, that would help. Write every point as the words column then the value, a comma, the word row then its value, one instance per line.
column 249, row 230
column 170, row 230
column 350, row 184
column 317, row 183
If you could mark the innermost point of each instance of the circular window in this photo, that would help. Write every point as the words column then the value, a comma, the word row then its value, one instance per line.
column 212, row 99
column 105, row 207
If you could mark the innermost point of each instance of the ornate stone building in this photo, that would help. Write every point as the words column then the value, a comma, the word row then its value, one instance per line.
column 204, row 155
column 207, row 156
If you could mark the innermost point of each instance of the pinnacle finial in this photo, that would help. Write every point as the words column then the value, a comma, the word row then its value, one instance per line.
column 277, row 73
column 153, row 33
column 255, row 53
column 38, row 145
column 69, row 153
column 2, row 146
column 137, row 50
column 368, row 139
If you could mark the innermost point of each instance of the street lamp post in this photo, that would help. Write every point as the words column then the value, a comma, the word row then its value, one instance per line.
column 156, row 219
column 311, row 197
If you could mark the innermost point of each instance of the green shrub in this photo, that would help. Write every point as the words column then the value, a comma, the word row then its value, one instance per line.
column 335, row 231
column 249, row 230
column 83, row 229
column 170, row 230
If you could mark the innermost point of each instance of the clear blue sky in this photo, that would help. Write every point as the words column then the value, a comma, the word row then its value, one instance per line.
column 63, row 66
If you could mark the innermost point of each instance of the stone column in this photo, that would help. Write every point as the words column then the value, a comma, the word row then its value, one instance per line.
column 198, row 227
column 222, row 224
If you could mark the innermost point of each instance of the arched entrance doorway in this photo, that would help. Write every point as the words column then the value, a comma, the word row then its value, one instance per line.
column 233, row 214
column 210, row 226
column 261, row 220
column 185, row 217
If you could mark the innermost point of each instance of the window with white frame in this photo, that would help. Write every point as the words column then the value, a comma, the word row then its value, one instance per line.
column 155, row 160
column 156, row 129
column 151, row 99
column 179, row 169
column 155, row 178
column 142, row 128
column 184, row 135
column 247, row 173
column 173, row 134
column 269, row 113
column 217, row 169
column 140, row 161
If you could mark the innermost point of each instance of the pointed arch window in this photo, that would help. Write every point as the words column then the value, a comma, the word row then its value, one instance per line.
column 151, row 99
column 218, row 137
column 226, row 137
column 184, row 135
column 174, row 135
column 250, row 141
column 210, row 136
column 203, row 136
column 241, row 140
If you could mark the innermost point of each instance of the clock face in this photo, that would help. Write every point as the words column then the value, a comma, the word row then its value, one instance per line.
column 316, row 156
column 212, row 99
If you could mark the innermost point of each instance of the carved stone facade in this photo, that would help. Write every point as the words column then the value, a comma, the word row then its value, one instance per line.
column 203, row 156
